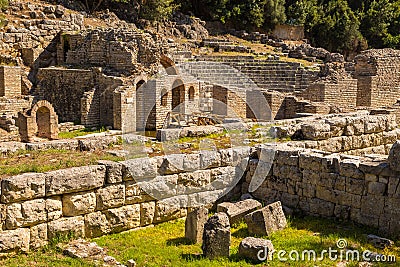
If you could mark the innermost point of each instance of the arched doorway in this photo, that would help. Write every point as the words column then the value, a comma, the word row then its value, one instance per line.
column 178, row 96
column 139, row 84
column 191, row 93
column 43, row 122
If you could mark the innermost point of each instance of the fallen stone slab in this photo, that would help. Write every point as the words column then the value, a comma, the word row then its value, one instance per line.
column 237, row 211
column 83, row 249
column 256, row 249
column 217, row 236
column 267, row 220
column 379, row 242
column 194, row 224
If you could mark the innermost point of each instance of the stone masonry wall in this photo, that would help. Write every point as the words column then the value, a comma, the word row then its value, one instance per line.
column 378, row 74
column 10, row 81
column 95, row 200
column 359, row 189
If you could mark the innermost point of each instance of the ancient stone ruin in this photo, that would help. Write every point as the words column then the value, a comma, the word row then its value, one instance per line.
column 318, row 138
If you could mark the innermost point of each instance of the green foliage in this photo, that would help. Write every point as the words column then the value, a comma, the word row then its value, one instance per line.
column 157, row 9
column 3, row 4
column 274, row 13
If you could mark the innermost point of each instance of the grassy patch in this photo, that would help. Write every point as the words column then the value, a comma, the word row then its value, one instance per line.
column 77, row 133
column 48, row 160
column 165, row 245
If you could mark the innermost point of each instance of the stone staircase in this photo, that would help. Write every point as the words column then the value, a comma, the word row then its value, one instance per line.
column 247, row 72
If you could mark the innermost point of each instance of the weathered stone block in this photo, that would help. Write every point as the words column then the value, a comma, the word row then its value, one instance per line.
column 66, row 226
column 147, row 211
column 209, row 159
column 38, row 236
column 394, row 156
column 135, row 194
column 137, row 169
column 22, row 187
column 78, row 203
column 54, row 208
column 376, row 188
column 123, row 218
column 111, row 196
column 194, row 224
column 15, row 240
column 250, row 248
column 237, row 211
column 113, row 171
column 217, row 236
column 166, row 212
column 96, row 224
column 75, row 180
column 266, row 220
column 26, row 214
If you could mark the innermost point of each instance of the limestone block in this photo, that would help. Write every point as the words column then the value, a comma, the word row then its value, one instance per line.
column 310, row 161
column 321, row 207
column 123, row 218
column 337, row 126
column 26, row 214
column 374, row 124
column 22, row 187
column 194, row 224
column 147, row 212
column 316, row 131
column 350, row 168
column 250, row 248
column 178, row 163
column 96, row 224
column 15, row 240
column 75, row 180
column 66, row 226
column 113, row 171
column 224, row 177
column 217, row 236
column 376, row 188
column 78, row 203
column 166, row 211
column 38, row 236
column 209, row 159
column 237, row 211
column 266, row 220
column 111, row 196
column 54, row 208
column 354, row 126
column 137, row 169
column 394, row 156
column 135, row 194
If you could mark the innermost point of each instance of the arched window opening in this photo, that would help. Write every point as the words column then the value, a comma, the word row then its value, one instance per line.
column 191, row 93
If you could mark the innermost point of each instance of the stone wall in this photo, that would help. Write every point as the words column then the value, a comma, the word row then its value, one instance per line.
column 358, row 132
column 78, row 94
column 125, row 51
column 36, row 26
column 108, row 198
column 10, row 81
column 359, row 189
column 289, row 32
column 378, row 75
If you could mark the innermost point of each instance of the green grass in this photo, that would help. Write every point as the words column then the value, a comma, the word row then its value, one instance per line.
column 48, row 160
column 77, row 133
column 165, row 245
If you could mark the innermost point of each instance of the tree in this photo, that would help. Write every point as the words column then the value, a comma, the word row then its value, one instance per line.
column 380, row 23
column 157, row 9
column 274, row 13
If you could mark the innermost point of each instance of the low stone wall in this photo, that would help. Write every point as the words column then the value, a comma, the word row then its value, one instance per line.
column 342, row 133
column 363, row 190
column 95, row 200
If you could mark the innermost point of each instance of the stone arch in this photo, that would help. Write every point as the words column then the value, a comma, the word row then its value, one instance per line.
column 178, row 96
column 169, row 65
column 40, row 121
